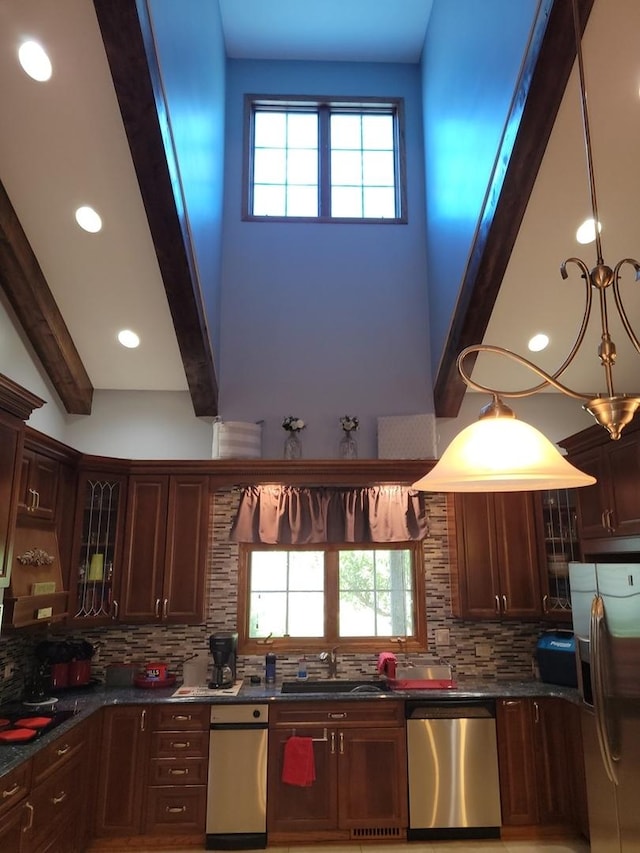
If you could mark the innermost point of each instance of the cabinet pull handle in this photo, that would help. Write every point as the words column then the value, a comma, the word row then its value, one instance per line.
column 62, row 796
column 181, row 718
column 545, row 599
column 63, row 750
column 185, row 744
column 536, row 709
column 341, row 736
column 30, row 824
column 510, row 702
column 611, row 521
column 157, row 608
column 143, row 720
column 165, row 608
column 9, row 792
column 497, row 604
column 37, row 497
column 333, row 743
column 115, row 608
column 504, row 603
column 337, row 716
column 31, row 505
column 179, row 771
column 175, row 809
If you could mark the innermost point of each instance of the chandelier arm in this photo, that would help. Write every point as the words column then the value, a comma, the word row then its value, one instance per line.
column 586, row 276
column 618, row 298
column 525, row 392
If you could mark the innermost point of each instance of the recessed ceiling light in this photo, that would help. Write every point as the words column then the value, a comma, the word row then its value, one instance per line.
column 34, row 61
column 538, row 342
column 586, row 233
column 87, row 218
column 128, row 339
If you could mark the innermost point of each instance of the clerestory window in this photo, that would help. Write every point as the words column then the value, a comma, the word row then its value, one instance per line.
column 329, row 160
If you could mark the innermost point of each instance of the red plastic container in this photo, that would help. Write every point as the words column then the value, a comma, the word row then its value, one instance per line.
column 156, row 671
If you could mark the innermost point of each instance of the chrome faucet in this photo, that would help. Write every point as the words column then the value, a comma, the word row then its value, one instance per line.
column 331, row 659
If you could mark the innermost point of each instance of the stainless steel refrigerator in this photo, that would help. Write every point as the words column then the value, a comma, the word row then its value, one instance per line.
column 605, row 600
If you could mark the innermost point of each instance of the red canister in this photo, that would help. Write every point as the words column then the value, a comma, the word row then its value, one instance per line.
column 156, row 671
column 59, row 675
column 79, row 672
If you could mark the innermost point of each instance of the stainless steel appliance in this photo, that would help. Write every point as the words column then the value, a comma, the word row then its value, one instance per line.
column 605, row 601
column 454, row 789
column 237, row 784
column 223, row 647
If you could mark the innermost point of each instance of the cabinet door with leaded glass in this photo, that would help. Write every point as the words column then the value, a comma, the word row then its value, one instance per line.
column 97, row 554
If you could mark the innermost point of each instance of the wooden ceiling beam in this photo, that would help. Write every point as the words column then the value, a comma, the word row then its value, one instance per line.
column 29, row 295
column 547, row 69
column 137, row 84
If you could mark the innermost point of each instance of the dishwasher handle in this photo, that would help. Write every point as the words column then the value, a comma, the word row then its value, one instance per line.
column 449, row 709
column 236, row 727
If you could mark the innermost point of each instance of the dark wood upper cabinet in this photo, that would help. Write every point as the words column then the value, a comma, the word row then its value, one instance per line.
column 498, row 572
column 165, row 549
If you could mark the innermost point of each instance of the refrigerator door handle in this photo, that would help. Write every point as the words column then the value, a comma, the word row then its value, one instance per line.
column 596, row 630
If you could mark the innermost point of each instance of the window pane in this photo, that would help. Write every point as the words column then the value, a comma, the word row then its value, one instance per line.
column 268, row 201
column 346, row 201
column 302, row 130
column 346, row 168
column 373, row 593
column 302, row 201
column 269, row 166
column 270, row 130
column 379, row 203
column 377, row 168
column 346, row 131
column 306, row 570
column 274, row 607
column 302, row 167
column 306, row 616
column 377, row 132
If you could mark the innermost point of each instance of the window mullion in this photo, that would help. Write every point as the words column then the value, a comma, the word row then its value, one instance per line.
column 324, row 161
column 332, row 595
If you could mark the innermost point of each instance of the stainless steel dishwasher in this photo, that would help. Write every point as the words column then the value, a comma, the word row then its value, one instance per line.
column 237, row 784
column 454, row 789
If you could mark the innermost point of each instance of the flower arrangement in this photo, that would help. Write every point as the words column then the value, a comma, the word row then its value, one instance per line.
column 292, row 424
column 349, row 423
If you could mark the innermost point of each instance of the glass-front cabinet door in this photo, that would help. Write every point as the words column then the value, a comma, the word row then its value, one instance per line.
column 561, row 547
column 98, row 547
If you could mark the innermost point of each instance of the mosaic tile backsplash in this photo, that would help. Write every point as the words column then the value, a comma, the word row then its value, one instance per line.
column 500, row 650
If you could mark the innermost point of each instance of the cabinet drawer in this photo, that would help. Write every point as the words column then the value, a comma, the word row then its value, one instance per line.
column 14, row 786
column 57, row 753
column 343, row 714
column 174, row 718
column 180, row 744
column 176, row 771
column 182, row 809
column 56, row 802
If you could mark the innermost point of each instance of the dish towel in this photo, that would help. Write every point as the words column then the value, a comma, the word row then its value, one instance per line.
column 298, row 767
column 383, row 657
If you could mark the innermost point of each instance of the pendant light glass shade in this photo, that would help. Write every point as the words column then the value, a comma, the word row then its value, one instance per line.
column 501, row 454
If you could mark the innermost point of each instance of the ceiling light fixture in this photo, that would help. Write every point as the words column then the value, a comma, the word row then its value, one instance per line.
column 34, row 61
column 88, row 219
column 468, row 464
column 128, row 339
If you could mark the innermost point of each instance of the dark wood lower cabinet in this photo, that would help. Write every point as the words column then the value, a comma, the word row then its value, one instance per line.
column 360, row 789
column 541, row 765
column 153, row 771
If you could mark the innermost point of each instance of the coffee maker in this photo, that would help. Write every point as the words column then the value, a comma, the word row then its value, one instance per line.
column 223, row 646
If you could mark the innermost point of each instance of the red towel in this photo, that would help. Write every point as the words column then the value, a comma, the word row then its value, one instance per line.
column 383, row 657
column 298, row 767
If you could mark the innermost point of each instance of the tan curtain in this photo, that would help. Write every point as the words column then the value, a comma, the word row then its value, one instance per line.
column 287, row 515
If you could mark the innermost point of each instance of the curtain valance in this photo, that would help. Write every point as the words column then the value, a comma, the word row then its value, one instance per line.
column 288, row 515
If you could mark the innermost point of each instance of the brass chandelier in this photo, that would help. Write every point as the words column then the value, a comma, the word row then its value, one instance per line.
column 495, row 454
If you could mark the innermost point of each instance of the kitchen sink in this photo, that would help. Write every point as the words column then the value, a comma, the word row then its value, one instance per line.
column 334, row 685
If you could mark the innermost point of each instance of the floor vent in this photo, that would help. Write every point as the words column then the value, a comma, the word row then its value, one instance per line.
column 377, row 832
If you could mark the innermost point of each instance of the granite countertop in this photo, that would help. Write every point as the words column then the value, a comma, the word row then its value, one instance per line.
column 88, row 702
